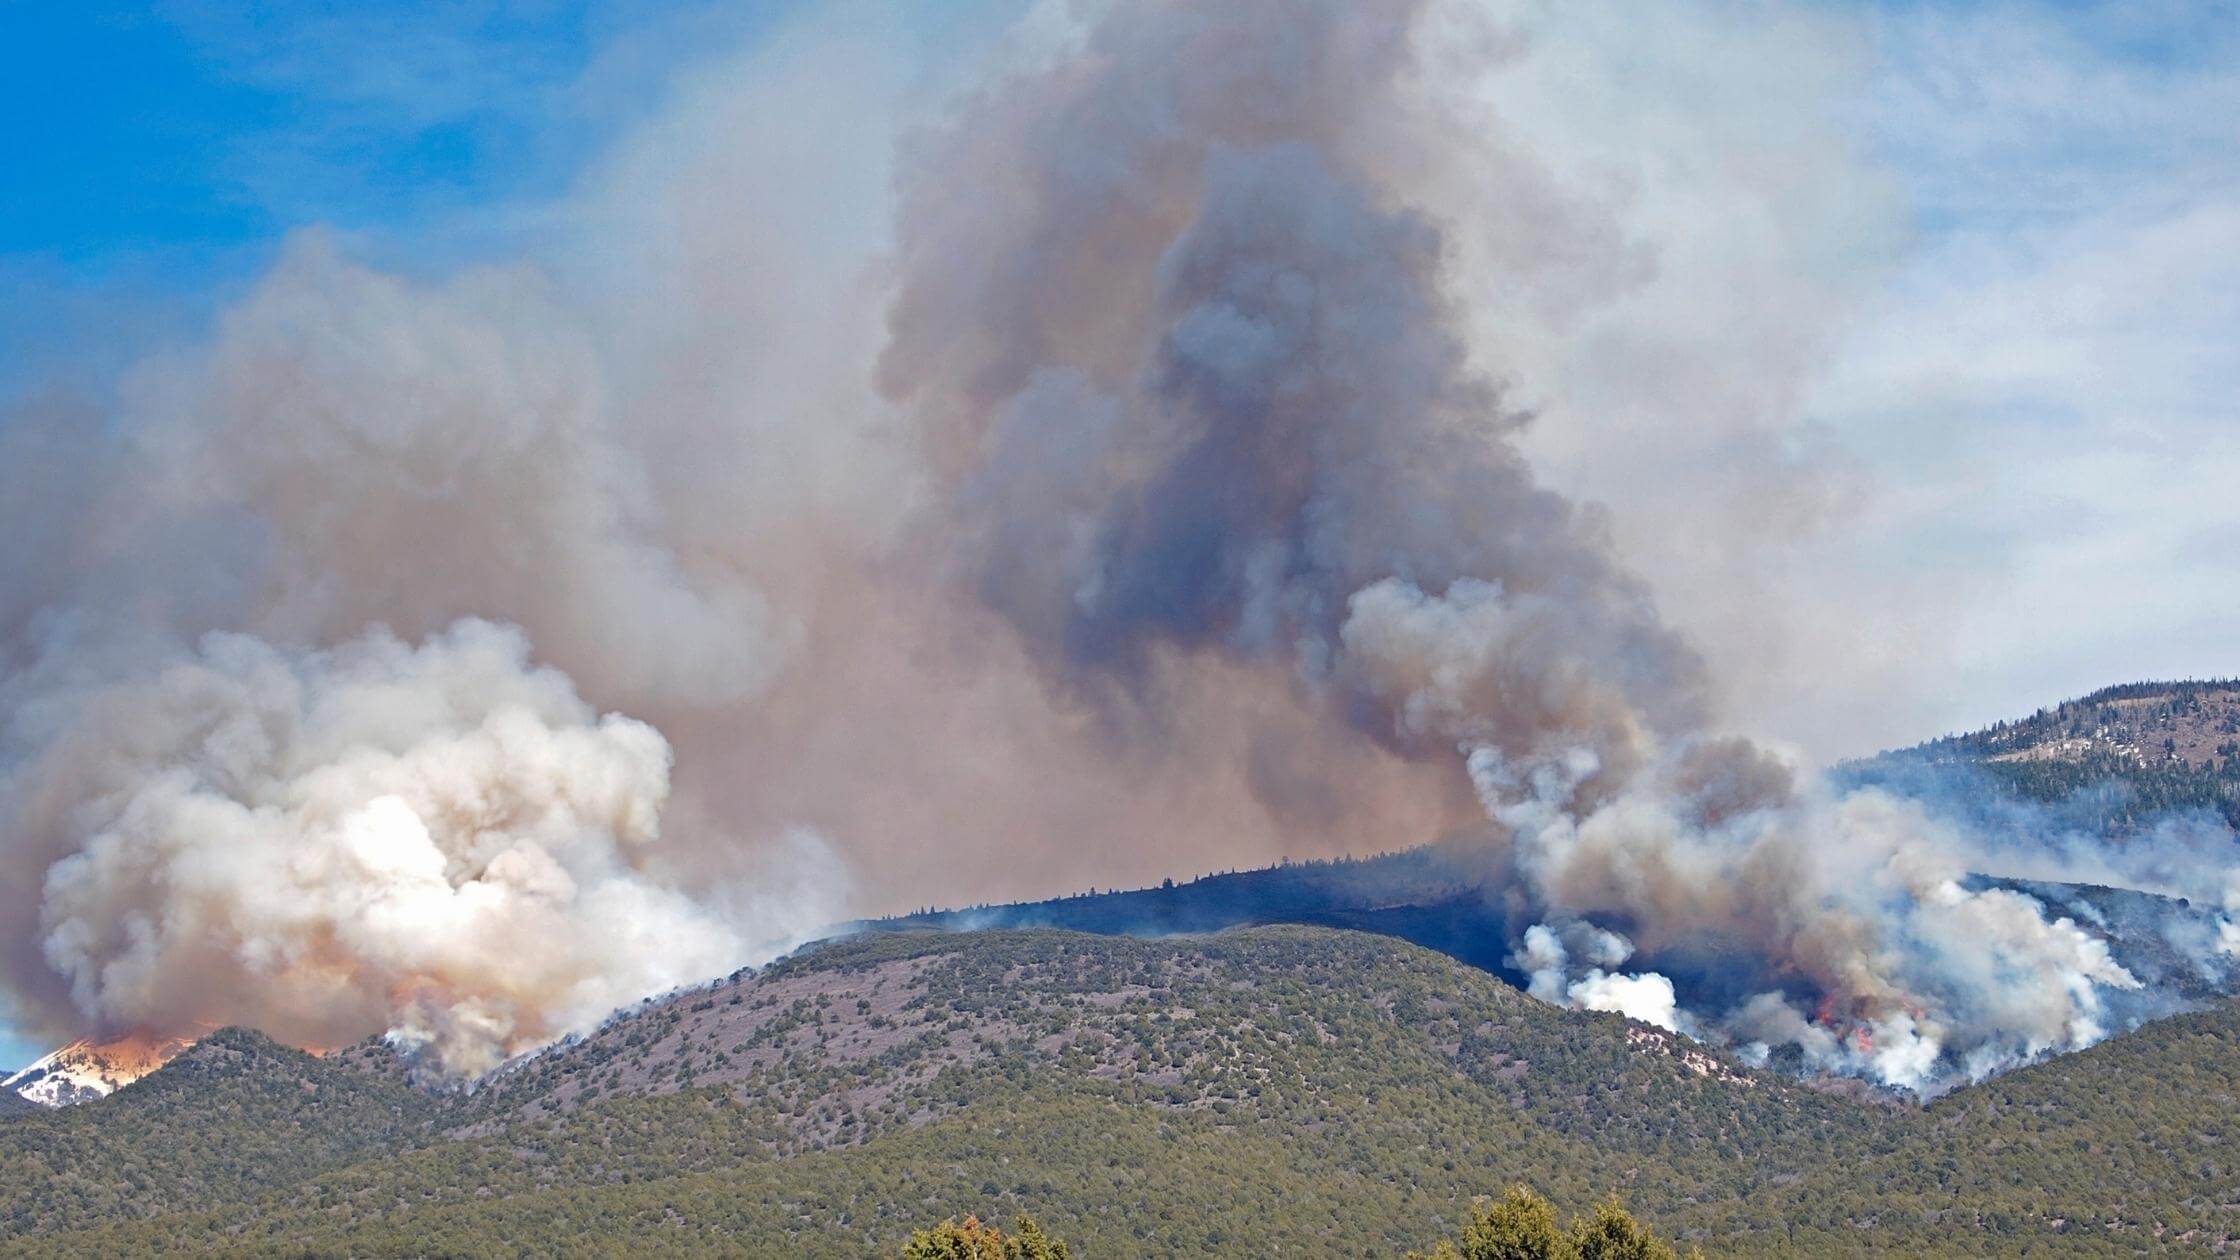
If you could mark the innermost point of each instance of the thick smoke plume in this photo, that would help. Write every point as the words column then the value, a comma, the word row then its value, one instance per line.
column 442, row 840
column 1200, row 391
column 264, row 760
column 459, row 657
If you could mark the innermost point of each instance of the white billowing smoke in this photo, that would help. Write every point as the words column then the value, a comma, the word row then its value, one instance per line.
column 265, row 761
column 1545, row 957
column 1647, row 997
column 229, row 794
column 1858, row 899
column 440, row 840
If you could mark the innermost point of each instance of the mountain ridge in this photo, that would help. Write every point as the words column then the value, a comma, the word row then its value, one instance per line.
column 1320, row 1091
column 2110, row 763
column 1449, row 896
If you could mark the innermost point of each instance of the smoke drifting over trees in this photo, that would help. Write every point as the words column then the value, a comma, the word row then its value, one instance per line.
column 1142, row 499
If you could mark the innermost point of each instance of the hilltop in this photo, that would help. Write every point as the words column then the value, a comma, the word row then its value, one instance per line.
column 2110, row 763
column 1454, row 898
column 85, row 1070
column 1149, row 1098
column 2192, row 724
column 1445, row 897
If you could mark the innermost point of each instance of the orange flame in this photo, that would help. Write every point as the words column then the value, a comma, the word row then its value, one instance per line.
column 131, row 1056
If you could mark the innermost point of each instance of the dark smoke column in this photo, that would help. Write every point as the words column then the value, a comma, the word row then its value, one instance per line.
column 1195, row 402
column 1192, row 385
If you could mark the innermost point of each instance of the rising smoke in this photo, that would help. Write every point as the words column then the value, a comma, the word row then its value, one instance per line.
column 441, row 840
column 461, row 658
column 1209, row 397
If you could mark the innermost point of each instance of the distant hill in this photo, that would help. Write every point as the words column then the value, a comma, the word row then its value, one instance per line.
column 1275, row 1091
column 2110, row 763
column 229, row 1118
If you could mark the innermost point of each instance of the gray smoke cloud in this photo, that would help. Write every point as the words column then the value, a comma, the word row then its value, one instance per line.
column 1106, row 479
column 1198, row 388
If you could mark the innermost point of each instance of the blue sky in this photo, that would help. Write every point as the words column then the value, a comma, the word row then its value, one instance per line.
column 192, row 131
column 164, row 148
column 2041, row 379
column 158, row 153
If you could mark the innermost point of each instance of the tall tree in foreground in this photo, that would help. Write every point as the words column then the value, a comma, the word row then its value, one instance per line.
column 968, row 1239
column 1524, row 1226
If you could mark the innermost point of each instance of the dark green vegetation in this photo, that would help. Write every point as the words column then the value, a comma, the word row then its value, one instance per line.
column 232, row 1117
column 1280, row 1091
column 2110, row 763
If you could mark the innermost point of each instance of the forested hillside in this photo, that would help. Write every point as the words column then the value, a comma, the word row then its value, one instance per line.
column 1277, row 1091
column 2124, row 1148
column 2111, row 762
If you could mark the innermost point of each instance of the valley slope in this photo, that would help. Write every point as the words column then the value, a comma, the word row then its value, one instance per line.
column 1273, row 1091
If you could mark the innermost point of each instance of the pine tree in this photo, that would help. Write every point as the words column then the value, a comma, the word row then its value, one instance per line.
column 1612, row 1234
column 968, row 1239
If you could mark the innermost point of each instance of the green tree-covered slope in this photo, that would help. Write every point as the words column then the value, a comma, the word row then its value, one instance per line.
column 1282, row 1091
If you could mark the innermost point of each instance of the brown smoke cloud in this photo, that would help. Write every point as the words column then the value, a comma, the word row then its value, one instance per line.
column 1104, row 481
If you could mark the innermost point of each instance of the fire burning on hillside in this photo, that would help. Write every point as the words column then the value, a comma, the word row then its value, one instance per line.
column 88, row 1069
column 462, row 658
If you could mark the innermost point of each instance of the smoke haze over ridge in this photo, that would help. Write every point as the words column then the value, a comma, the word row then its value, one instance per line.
column 1141, row 490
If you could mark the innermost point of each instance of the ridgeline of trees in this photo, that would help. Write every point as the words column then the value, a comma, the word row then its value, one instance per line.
column 2113, row 762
